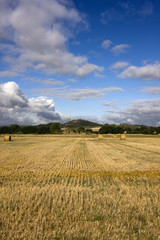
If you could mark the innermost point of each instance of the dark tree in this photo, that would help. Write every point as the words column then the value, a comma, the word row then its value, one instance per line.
column 14, row 128
column 29, row 129
column 43, row 129
column 5, row 129
column 81, row 129
column 55, row 128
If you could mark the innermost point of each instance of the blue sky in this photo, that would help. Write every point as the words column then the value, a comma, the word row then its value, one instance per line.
column 95, row 60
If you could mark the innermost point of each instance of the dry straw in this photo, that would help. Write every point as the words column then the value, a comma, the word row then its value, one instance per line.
column 123, row 136
column 114, row 136
column 7, row 138
column 100, row 137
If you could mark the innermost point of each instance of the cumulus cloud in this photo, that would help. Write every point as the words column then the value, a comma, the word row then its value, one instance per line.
column 38, row 34
column 146, row 112
column 106, row 44
column 152, row 90
column 147, row 72
column 15, row 107
column 117, row 49
column 121, row 48
column 44, row 109
column 119, row 65
column 11, row 96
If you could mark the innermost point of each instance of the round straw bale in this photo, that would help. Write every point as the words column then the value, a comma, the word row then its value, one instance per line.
column 100, row 137
column 123, row 136
column 7, row 138
column 114, row 135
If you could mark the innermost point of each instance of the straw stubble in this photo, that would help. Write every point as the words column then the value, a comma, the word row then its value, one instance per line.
column 79, row 188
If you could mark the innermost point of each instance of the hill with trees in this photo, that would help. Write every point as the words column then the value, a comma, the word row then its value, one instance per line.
column 80, row 123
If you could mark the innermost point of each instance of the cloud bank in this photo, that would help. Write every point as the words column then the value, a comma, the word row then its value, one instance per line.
column 151, row 90
column 77, row 94
column 15, row 107
column 145, row 112
column 37, row 37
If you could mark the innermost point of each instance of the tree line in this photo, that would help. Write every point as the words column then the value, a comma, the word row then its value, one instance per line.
column 114, row 129
column 55, row 128
column 40, row 129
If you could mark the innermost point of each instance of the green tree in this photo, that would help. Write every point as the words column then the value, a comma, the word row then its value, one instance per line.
column 55, row 128
column 44, row 129
column 81, row 129
column 5, row 129
column 89, row 131
column 29, row 129
column 14, row 128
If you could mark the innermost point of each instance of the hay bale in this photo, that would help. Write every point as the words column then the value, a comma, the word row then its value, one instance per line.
column 100, row 137
column 123, row 136
column 114, row 135
column 7, row 138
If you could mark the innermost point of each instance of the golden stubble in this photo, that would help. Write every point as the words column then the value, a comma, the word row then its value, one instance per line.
column 56, row 187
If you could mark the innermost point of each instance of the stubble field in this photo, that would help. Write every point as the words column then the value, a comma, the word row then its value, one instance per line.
column 80, row 188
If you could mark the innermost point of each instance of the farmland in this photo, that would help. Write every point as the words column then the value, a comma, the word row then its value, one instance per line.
column 78, row 187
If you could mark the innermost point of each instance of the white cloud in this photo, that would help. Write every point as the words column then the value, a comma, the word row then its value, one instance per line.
column 119, row 65
column 108, row 104
column 8, row 74
column 152, row 90
column 52, row 81
column 106, row 44
column 15, row 107
column 11, row 96
column 147, row 72
column 44, row 110
column 77, row 94
column 87, row 68
column 146, row 112
column 39, row 33
column 121, row 48
column 72, row 80
column 99, row 75
column 49, row 81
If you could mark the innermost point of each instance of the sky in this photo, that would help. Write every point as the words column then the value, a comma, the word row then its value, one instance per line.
column 82, row 59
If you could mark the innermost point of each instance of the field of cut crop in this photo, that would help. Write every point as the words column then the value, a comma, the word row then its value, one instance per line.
column 80, row 188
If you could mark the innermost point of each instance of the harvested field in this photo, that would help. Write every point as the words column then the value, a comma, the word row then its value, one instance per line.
column 73, row 187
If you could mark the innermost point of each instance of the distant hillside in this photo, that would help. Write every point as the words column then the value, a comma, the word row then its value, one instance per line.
column 80, row 123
